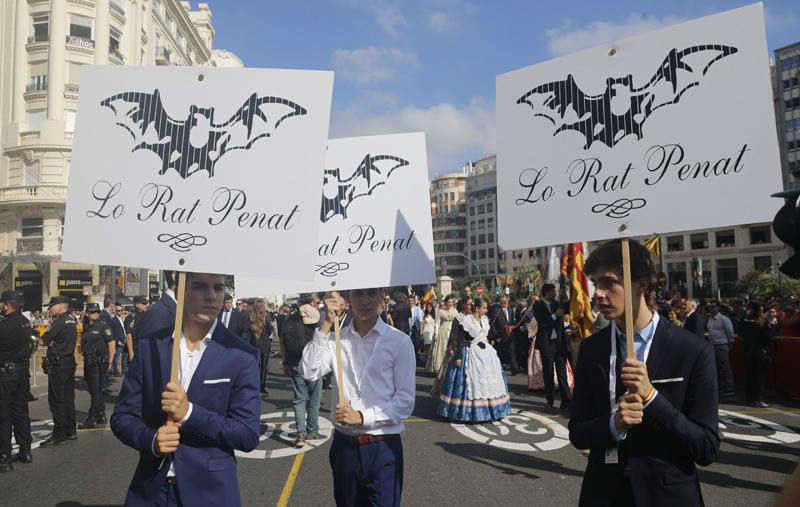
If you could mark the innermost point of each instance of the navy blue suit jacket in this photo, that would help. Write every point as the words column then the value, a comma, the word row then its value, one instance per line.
column 160, row 315
column 225, row 416
column 680, row 427
column 236, row 324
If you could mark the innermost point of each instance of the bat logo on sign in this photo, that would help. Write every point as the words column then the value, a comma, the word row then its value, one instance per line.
column 196, row 143
column 596, row 117
column 338, row 194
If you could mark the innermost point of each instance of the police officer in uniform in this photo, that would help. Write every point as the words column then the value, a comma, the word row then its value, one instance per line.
column 140, row 306
column 98, row 346
column 60, row 340
column 15, row 352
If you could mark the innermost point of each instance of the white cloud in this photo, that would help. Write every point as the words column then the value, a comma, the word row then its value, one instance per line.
column 387, row 14
column 454, row 134
column 568, row 39
column 372, row 64
column 447, row 15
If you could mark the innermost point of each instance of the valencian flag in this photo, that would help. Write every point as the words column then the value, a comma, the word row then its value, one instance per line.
column 580, row 303
column 431, row 294
column 654, row 245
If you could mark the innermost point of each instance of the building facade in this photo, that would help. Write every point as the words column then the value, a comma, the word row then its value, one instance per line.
column 449, row 215
column 786, row 86
column 43, row 46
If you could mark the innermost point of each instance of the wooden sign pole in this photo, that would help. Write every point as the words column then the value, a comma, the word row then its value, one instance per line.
column 176, row 335
column 339, row 378
column 626, row 275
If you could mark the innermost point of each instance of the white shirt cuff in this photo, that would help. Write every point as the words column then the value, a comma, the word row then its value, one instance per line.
column 368, row 415
column 153, row 447
column 617, row 435
column 188, row 413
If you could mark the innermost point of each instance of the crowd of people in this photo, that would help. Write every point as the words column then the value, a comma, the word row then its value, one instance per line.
column 469, row 345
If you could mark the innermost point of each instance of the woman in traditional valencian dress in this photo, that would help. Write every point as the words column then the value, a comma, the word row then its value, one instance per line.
column 444, row 323
column 474, row 387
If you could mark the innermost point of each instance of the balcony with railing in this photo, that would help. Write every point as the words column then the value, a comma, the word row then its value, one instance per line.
column 33, row 193
column 30, row 245
column 71, row 90
column 163, row 55
column 115, row 56
column 116, row 8
column 38, row 39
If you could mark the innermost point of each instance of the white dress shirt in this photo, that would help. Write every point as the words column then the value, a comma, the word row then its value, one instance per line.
column 226, row 317
column 186, row 368
column 379, row 373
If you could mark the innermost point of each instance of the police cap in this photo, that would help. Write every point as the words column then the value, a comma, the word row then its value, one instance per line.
column 11, row 297
column 92, row 308
column 139, row 300
column 57, row 300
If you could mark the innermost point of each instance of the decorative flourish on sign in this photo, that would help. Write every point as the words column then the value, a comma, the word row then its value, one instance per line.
column 620, row 208
column 338, row 193
column 196, row 143
column 182, row 242
column 569, row 108
column 332, row 268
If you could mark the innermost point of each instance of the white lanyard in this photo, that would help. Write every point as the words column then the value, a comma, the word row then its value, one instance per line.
column 612, row 369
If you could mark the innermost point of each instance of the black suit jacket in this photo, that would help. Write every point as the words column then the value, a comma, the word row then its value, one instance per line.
column 158, row 316
column 696, row 324
column 236, row 323
column 546, row 322
column 500, row 320
column 680, row 427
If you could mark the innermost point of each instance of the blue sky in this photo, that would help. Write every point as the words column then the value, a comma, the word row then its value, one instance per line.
column 404, row 66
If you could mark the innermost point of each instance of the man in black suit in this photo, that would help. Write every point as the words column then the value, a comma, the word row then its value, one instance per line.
column 161, row 314
column 645, row 436
column 230, row 317
column 693, row 320
column 504, row 316
column 551, row 343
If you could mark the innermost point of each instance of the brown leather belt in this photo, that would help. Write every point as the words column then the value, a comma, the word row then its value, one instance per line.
column 366, row 439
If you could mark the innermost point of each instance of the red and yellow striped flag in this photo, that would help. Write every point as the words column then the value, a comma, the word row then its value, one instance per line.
column 654, row 245
column 580, row 302
column 428, row 296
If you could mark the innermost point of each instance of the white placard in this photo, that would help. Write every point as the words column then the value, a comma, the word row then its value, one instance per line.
column 375, row 215
column 669, row 131
column 197, row 169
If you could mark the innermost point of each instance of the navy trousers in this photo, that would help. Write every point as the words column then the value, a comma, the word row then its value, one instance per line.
column 366, row 475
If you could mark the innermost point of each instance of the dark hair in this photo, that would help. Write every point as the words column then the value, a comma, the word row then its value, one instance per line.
column 108, row 301
column 171, row 278
column 477, row 303
column 609, row 255
column 547, row 288
column 447, row 298
column 462, row 303
column 228, row 297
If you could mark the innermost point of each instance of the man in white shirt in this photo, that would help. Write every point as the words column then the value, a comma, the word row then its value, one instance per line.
column 721, row 334
column 379, row 383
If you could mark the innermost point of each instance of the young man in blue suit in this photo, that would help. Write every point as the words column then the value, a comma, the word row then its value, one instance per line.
column 215, row 407
column 648, row 420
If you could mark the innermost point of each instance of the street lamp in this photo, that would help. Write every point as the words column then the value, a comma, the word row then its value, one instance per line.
column 470, row 261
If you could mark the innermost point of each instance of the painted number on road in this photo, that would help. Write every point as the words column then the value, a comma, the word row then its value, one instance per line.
column 277, row 437
column 521, row 431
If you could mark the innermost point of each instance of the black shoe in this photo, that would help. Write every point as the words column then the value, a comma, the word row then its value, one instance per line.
column 72, row 436
column 564, row 407
column 24, row 456
column 53, row 441
column 5, row 463
column 512, row 373
column 550, row 405
column 31, row 397
column 90, row 424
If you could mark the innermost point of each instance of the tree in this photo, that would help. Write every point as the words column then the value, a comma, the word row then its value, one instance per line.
column 763, row 284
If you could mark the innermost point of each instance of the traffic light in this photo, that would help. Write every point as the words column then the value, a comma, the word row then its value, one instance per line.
column 787, row 227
